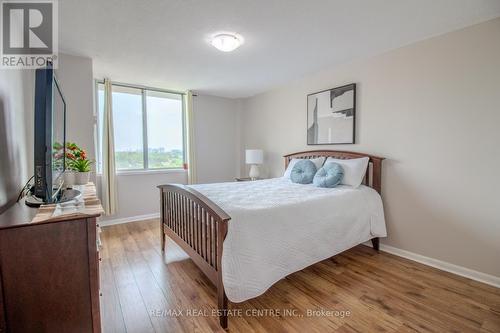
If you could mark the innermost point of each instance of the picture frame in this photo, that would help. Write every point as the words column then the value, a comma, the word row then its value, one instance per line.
column 331, row 116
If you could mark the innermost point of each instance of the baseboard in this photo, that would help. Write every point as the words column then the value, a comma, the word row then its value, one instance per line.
column 129, row 219
column 442, row 265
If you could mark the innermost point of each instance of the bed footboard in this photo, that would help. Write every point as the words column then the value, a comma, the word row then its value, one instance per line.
column 199, row 227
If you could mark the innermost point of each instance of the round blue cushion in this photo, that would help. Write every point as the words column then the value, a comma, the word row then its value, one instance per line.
column 303, row 172
column 330, row 175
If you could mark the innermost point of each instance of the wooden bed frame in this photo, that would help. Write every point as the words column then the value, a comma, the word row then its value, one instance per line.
column 199, row 226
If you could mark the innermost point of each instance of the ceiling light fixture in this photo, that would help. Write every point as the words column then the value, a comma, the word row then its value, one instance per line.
column 226, row 42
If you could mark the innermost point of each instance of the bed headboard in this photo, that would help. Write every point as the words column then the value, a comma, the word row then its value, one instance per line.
column 373, row 177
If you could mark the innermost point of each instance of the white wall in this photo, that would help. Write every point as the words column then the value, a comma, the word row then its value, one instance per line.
column 138, row 194
column 16, row 132
column 433, row 110
column 76, row 78
column 217, row 136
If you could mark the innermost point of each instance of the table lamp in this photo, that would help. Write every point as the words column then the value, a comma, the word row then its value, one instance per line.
column 254, row 157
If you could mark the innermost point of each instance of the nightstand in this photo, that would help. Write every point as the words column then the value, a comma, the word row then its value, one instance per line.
column 246, row 179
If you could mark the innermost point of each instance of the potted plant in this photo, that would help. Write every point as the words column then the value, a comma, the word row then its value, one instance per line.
column 82, row 168
column 78, row 167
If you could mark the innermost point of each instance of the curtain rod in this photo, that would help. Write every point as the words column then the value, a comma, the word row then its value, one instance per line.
column 137, row 86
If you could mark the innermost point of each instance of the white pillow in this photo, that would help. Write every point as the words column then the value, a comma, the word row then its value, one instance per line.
column 354, row 170
column 318, row 162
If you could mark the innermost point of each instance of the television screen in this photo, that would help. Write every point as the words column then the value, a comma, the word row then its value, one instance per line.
column 50, row 136
column 58, row 137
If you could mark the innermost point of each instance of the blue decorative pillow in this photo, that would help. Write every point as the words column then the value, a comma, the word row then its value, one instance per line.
column 330, row 175
column 303, row 172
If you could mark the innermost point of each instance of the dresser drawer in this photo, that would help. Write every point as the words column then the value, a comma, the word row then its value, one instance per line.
column 47, row 264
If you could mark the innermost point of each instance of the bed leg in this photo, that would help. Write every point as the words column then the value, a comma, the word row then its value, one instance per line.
column 222, row 306
column 162, row 237
column 376, row 244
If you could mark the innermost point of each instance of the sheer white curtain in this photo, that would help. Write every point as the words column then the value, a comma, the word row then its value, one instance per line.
column 190, row 140
column 108, row 181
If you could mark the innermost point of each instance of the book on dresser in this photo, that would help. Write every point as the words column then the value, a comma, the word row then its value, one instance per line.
column 49, row 267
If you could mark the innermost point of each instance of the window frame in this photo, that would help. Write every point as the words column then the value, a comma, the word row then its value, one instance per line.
column 145, row 153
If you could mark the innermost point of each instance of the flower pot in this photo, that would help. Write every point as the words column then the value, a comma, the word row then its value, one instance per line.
column 69, row 178
column 82, row 178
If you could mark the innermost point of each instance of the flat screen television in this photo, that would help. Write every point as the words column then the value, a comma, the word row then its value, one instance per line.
column 50, row 137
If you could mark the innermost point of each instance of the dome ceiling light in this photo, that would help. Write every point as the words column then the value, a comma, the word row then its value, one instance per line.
column 226, row 42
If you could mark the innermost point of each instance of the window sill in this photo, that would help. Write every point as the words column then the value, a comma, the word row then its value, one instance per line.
column 147, row 172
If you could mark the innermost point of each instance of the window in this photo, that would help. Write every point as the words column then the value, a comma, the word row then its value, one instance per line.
column 148, row 127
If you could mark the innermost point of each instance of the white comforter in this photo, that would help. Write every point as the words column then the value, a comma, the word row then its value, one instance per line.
column 278, row 227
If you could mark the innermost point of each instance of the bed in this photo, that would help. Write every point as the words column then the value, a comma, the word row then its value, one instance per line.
column 246, row 236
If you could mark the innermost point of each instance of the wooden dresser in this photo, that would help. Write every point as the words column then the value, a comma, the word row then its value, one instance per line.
column 49, row 269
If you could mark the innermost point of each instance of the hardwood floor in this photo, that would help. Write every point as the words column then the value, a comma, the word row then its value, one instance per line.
column 370, row 293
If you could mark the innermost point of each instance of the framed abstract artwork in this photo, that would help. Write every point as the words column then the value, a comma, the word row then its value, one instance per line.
column 331, row 116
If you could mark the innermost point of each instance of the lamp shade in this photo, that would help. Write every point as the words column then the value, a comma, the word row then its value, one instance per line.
column 254, row 156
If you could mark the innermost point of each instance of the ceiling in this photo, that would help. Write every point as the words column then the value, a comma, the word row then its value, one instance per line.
column 164, row 43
